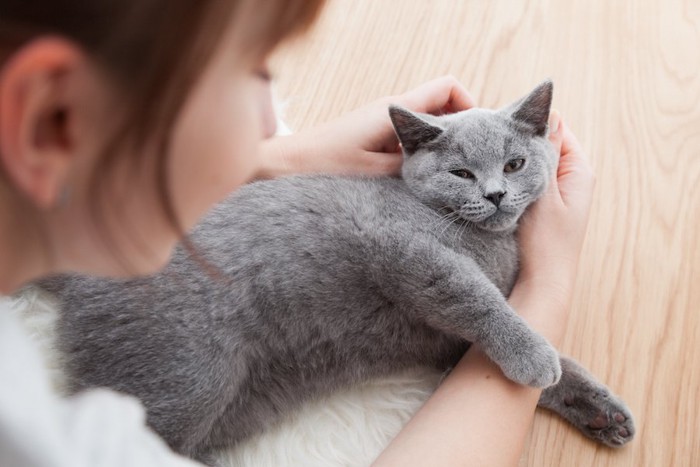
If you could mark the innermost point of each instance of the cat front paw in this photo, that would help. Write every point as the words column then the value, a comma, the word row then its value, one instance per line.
column 528, row 359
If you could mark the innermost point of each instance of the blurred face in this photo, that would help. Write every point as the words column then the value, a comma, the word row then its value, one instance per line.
column 214, row 149
column 216, row 139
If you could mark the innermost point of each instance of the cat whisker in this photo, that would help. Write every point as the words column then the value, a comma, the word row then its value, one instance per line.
column 441, row 222
column 460, row 231
column 444, row 220
column 452, row 222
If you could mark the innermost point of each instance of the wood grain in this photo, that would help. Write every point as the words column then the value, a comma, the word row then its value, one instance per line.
column 627, row 80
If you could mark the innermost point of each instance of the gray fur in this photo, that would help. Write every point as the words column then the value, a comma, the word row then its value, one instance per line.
column 326, row 282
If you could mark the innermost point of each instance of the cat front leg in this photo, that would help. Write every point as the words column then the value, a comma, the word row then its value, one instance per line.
column 449, row 292
column 589, row 406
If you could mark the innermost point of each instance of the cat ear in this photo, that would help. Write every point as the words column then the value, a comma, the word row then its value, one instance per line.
column 412, row 130
column 533, row 109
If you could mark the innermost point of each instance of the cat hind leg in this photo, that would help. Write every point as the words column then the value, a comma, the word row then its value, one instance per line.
column 589, row 406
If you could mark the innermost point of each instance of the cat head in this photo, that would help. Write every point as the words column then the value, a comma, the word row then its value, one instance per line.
column 487, row 166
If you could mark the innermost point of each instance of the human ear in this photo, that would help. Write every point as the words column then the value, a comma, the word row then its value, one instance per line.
column 36, row 136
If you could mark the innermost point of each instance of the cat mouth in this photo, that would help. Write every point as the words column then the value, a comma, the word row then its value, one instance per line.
column 478, row 214
column 491, row 217
column 494, row 218
column 499, row 220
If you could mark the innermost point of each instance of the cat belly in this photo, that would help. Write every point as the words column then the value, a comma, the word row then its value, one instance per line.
column 276, row 387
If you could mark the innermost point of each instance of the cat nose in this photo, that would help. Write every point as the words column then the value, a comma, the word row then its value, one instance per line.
column 495, row 197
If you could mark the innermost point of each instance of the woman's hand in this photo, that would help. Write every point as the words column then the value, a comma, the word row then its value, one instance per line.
column 551, row 235
column 362, row 141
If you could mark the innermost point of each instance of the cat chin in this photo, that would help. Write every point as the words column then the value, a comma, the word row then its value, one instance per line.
column 499, row 222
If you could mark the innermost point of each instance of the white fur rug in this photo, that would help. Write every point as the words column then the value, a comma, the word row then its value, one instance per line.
column 348, row 428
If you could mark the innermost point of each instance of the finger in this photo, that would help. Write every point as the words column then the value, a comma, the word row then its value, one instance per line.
column 555, row 138
column 555, row 133
column 571, row 147
column 577, row 178
column 572, row 153
column 391, row 147
column 459, row 98
column 570, row 144
column 436, row 95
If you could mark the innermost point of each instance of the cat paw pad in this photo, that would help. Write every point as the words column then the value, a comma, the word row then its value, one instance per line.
column 610, row 423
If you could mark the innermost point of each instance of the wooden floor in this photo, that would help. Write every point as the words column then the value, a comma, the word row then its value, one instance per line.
column 627, row 80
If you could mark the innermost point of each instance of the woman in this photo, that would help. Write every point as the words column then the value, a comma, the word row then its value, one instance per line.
column 123, row 121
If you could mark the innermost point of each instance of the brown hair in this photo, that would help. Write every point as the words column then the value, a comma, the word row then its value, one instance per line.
column 152, row 51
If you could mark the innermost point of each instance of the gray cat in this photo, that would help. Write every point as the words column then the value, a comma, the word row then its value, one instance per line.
column 326, row 281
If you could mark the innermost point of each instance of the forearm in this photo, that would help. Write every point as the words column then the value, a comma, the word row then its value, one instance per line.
column 303, row 153
column 321, row 150
column 477, row 416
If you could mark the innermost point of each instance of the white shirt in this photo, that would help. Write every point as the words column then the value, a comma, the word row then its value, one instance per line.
column 98, row 428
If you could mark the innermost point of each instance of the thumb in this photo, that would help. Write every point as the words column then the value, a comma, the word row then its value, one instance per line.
column 555, row 134
column 556, row 138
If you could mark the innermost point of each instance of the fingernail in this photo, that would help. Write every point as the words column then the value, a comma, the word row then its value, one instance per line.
column 554, row 121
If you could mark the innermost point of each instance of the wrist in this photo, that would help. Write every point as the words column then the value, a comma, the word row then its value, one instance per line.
column 553, row 274
column 277, row 157
column 544, row 307
column 556, row 286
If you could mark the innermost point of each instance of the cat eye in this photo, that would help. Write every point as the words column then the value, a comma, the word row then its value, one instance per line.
column 514, row 165
column 463, row 173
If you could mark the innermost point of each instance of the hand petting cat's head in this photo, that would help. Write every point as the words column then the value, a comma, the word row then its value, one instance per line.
column 486, row 165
